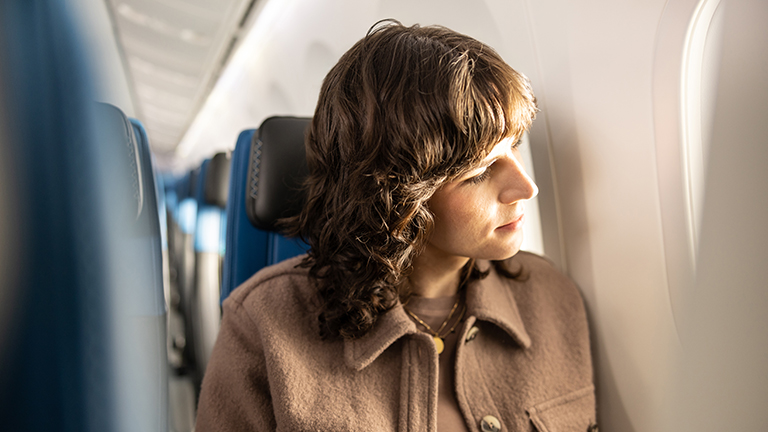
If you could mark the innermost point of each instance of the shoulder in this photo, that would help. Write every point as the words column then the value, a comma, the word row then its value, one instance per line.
column 274, row 280
column 543, row 288
column 541, row 273
column 535, row 265
column 281, row 290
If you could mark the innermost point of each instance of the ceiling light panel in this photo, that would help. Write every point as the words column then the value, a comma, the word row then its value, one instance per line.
column 173, row 49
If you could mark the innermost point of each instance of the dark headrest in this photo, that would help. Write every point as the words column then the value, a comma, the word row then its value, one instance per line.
column 190, row 187
column 217, row 180
column 198, row 187
column 276, row 170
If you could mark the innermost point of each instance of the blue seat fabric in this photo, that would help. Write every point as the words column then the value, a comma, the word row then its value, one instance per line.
column 248, row 249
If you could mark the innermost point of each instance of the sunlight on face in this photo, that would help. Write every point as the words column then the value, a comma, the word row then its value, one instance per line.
column 481, row 214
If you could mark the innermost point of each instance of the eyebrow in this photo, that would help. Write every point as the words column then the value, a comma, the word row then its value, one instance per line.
column 487, row 164
column 471, row 173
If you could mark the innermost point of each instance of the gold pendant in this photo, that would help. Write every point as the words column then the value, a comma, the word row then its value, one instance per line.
column 439, row 344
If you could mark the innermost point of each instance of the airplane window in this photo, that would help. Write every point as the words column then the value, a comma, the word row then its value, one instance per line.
column 698, row 80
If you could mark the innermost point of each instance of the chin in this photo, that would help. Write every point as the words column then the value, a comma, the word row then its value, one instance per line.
column 510, row 248
column 501, row 255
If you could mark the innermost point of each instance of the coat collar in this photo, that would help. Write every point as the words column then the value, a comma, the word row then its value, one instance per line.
column 489, row 300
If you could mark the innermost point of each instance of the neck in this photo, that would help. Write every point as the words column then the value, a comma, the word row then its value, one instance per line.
column 436, row 274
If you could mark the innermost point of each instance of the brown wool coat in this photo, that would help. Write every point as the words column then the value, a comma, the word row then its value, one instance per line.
column 523, row 357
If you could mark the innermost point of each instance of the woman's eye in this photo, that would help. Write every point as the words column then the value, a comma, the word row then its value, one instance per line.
column 480, row 177
column 517, row 144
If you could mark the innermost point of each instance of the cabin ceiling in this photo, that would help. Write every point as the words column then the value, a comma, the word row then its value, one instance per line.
column 173, row 52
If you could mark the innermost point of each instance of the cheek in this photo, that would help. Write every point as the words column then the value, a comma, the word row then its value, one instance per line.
column 461, row 216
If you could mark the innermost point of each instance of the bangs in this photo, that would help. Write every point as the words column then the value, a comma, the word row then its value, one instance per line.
column 492, row 102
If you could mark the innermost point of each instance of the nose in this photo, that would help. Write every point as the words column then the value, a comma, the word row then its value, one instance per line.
column 516, row 184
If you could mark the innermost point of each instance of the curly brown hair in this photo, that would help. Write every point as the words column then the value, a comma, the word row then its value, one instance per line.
column 403, row 111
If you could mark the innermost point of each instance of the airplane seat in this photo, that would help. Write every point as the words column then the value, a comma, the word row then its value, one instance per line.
column 184, row 260
column 170, row 182
column 217, row 193
column 186, row 219
column 268, row 165
column 160, row 199
column 152, row 204
column 179, row 390
column 138, row 304
column 213, row 187
column 163, row 221
column 189, row 217
column 176, row 338
column 181, row 386
column 175, row 194
column 177, row 191
column 164, row 201
column 82, row 331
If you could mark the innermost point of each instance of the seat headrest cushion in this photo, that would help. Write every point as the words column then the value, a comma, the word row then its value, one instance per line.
column 276, row 170
column 217, row 180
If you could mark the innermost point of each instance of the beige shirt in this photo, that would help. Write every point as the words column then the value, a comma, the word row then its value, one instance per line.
column 522, row 361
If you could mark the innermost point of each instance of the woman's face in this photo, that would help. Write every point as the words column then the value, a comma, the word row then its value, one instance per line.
column 481, row 214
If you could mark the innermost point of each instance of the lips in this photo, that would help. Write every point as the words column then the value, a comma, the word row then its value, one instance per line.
column 514, row 224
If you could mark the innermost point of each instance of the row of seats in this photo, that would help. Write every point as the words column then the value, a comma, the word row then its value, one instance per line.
column 195, row 212
column 222, row 228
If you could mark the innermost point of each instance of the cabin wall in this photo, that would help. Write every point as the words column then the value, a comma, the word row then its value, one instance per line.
column 723, row 379
column 596, row 73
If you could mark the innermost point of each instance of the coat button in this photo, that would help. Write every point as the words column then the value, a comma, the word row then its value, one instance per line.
column 472, row 334
column 490, row 423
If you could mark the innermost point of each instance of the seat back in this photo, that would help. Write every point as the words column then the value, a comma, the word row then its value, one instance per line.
column 184, row 241
column 205, row 308
column 268, row 166
column 136, row 307
column 82, row 344
column 159, row 190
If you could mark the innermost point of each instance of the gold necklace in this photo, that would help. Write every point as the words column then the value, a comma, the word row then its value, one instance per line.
column 439, row 344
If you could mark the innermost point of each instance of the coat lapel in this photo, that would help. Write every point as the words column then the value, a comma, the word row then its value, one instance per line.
column 391, row 326
column 491, row 300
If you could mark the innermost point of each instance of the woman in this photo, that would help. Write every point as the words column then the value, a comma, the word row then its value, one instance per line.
column 414, row 309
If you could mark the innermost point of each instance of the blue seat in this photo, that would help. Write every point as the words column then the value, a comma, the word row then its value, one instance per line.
column 171, row 251
column 181, row 233
column 184, row 243
column 205, row 310
column 268, row 166
column 82, row 344
column 162, row 215
column 149, row 212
